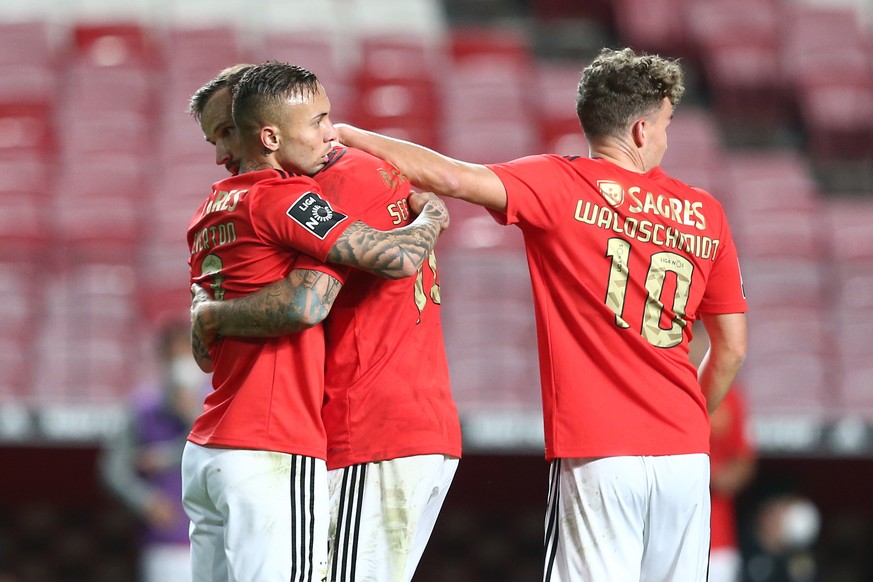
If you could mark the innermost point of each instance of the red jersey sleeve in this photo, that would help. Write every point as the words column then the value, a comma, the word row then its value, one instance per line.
column 725, row 293
column 294, row 213
column 524, row 203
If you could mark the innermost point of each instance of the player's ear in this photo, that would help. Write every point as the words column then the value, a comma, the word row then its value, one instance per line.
column 270, row 137
column 638, row 132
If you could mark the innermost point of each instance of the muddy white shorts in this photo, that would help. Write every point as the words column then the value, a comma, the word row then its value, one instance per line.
column 382, row 515
column 256, row 516
column 628, row 519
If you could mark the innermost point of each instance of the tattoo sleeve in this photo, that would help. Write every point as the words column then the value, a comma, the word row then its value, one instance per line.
column 201, row 354
column 300, row 300
column 394, row 253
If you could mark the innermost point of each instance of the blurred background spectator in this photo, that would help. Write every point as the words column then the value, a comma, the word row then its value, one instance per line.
column 780, row 537
column 142, row 463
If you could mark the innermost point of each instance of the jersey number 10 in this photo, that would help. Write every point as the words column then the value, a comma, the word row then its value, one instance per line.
column 661, row 263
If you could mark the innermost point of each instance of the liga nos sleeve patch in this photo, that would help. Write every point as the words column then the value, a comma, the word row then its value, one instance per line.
column 315, row 214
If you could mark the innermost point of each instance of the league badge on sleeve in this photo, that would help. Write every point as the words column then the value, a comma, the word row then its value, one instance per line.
column 315, row 214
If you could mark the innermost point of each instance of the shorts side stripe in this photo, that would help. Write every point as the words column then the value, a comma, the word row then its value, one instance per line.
column 302, row 493
column 551, row 543
column 295, row 545
column 348, row 524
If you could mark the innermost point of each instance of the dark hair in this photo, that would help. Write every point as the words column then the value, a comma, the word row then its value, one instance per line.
column 228, row 77
column 261, row 93
column 620, row 86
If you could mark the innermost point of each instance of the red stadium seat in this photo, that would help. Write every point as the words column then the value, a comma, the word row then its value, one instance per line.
column 779, row 331
column 25, row 200
column 847, row 226
column 200, row 53
column 16, row 360
column 716, row 20
column 655, row 26
column 86, row 369
column 850, row 285
column 115, row 44
column 838, row 118
column 473, row 229
column 98, row 133
column 489, row 141
column 26, row 43
column 177, row 194
column 88, row 345
column 793, row 384
column 397, row 57
column 165, row 291
column 486, row 256
column 739, row 46
column 412, row 104
column 96, row 90
column 27, row 127
column 808, row 28
column 793, row 233
column 811, row 66
column 748, row 92
column 22, row 305
column 472, row 90
column 792, row 282
column 500, row 47
column 694, row 154
column 24, row 230
column 555, row 109
column 98, row 206
column 312, row 50
column 758, row 182
column 26, row 173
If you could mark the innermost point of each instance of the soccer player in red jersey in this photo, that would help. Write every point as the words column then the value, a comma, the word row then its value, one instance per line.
column 254, row 471
column 732, row 458
column 623, row 259
column 392, row 427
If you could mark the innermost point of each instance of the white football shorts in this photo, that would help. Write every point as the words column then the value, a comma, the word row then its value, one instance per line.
column 628, row 519
column 256, row 516
column 382, row 515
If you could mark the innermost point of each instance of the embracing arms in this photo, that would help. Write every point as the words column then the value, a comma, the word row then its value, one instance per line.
column 430, row 170
column 304, row 298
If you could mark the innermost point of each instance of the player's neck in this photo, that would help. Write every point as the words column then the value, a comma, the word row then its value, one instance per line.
column 256, row 165
column 620, row 153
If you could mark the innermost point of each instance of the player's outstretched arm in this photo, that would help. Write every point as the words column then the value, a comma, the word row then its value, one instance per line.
column 299, row 301
column 430, row 170
column 727, row 351
column 397, row 253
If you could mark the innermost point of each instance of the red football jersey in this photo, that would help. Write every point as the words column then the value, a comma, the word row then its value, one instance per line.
column 387, row 390
column 728, row 441
column 267, row 392
column 621, row 264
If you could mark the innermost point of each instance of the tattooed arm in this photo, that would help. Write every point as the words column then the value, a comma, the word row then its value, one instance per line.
column 198, row 348
column 394, row 253
column 299, row 301
column 304, row 298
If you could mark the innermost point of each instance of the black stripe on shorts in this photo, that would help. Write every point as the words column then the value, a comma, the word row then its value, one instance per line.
column 348, row 524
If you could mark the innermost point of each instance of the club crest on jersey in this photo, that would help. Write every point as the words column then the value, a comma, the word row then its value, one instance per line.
column 612, row 192
column 315, row 214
